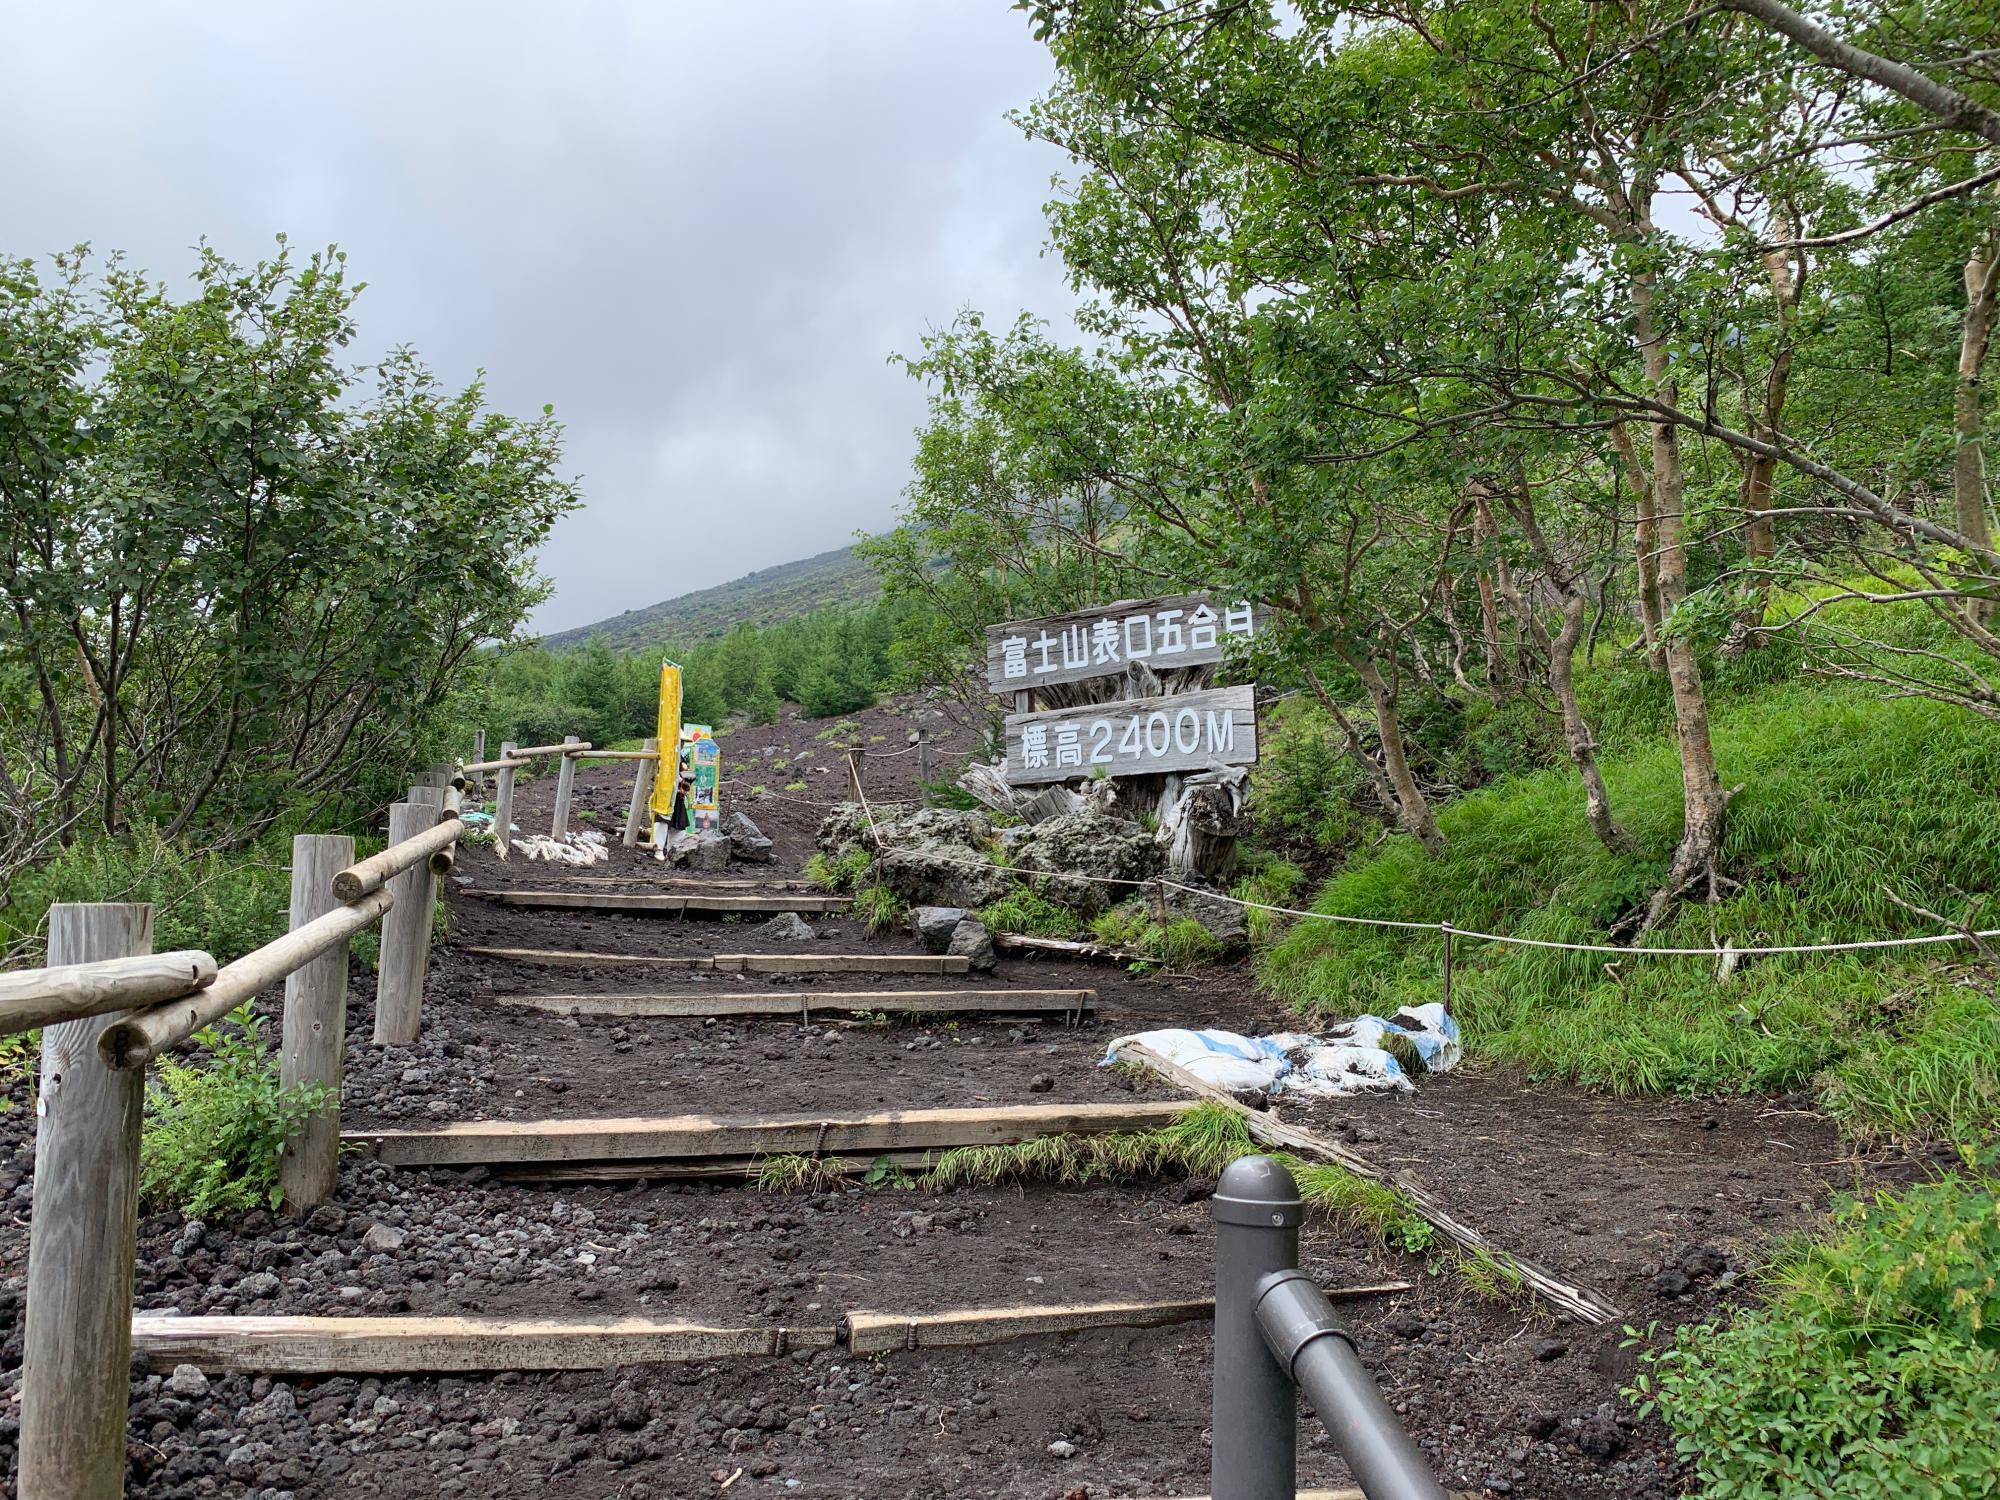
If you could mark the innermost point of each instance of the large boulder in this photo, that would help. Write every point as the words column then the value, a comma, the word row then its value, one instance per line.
column 711, row 852
column 786, row 927
column 747, row 840
column 1227, row 922
column 1072, row 858
column 928, row 856
column 970, row 940
column 936, row 924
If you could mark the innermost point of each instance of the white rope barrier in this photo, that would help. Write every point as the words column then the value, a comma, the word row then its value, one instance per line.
column 1447, row 928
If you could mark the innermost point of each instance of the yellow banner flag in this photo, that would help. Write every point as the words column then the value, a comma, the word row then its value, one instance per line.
column 667, row 771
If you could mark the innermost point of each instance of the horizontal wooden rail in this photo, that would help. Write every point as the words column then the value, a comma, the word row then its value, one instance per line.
column 129, row 1044
column 575, row 747
column 69, row 992
column 371, row 874
column 503, row 764
column 617, row 755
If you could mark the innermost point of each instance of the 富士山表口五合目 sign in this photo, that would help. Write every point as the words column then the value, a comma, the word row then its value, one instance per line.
column 1134, row 737
column 1184, row 630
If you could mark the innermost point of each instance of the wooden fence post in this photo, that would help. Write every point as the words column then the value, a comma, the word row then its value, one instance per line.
column 854, row 755
column 76, row 1362
column 642, row 787
column 406, row 933
column 503, row 804
column 565, row 784
column 315, row 1027
column 426, row 792
column 924, row 763
column 478, row 758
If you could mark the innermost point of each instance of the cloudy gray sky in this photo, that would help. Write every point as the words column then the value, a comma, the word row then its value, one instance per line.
column 697, row 229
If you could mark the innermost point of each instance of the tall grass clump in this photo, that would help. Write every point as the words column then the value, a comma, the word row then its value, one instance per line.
column 1845, row 797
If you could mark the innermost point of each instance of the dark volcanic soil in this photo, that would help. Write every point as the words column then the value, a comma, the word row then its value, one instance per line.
column 1654, row 1204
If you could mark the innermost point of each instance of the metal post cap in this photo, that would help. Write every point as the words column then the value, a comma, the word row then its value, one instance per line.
column 1259, row 1191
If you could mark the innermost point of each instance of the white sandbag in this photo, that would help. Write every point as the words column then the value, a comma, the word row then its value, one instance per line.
column 1222, row 1059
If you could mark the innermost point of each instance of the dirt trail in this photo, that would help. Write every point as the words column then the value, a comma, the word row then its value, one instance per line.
column 1651, row 1203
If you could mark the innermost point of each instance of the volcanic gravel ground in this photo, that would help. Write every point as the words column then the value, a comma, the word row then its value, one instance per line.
column 1655, row 1204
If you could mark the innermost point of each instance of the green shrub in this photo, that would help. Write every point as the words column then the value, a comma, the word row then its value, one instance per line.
column 1873, row 1371
column 1182, row 944
column 215, row 1129
column 226, row 904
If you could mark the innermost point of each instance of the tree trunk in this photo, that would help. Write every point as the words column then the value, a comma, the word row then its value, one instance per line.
column 1413, row 810
column 1485, row 535
column 1968, row 469
column 1703, row 798
column 1576, row 729
column 1760, row 532
column 1645, row 545
column 1561, row 653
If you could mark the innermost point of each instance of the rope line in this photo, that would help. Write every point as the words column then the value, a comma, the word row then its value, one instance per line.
column 1711, row 951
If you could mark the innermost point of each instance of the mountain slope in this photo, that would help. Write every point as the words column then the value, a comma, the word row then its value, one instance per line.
column 767, row 597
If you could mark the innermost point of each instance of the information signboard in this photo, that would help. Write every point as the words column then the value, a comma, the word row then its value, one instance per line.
column 1181, row 630
column 1134, row 737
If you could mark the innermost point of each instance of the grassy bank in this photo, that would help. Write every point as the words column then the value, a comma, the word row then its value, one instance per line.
column 1845, row 798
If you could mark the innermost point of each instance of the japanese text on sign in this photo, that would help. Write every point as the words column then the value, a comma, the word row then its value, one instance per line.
column 1182, row 631
column 1144, row 736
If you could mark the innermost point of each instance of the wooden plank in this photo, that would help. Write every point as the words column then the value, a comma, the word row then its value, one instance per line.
column 483, row 1142
column 813, row 1002
column 700, row 1168
column 1134, row 737
column 843, row 963
column 1574, row 1302
column 552, row 957
column 743, row 963
column 663, row 903
column 436, row 1345
column 1166, row 633
column 879, row 1333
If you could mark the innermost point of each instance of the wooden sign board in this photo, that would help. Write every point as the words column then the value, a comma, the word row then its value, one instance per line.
column 1136, row 737
column 1181, row 630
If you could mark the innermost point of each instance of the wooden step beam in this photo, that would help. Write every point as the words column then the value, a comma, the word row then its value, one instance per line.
column 550, row 957
column 742, row 963
column 842, row 963
column 665, row 903
column 800, row 1003
column 879, row 1333
column 472, row 1143
column 438, row 1345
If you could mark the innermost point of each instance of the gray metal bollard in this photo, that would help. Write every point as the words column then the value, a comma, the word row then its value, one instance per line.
column 1253, row 1422
column 1308, row 1341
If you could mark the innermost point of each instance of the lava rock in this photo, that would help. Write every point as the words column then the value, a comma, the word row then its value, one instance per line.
column 971, row 941
column 935, row 925
column 786, row 927
column 1073, row 855
column 383, row 1239
column 747, row 840
column 188, row 1381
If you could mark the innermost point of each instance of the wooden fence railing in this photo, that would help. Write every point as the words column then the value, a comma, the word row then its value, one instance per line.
column 515, row 757
column 107, row 1006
